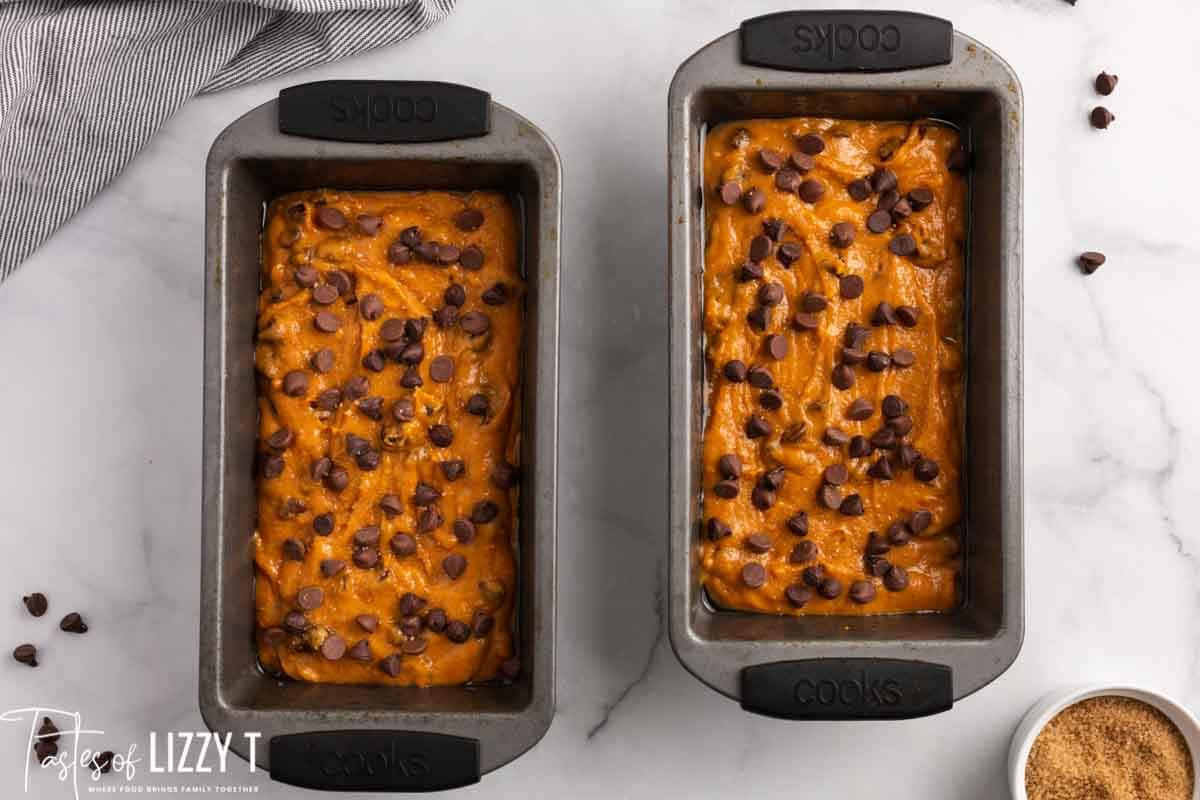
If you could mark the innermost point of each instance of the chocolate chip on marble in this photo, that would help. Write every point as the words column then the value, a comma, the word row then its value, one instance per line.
column 754, row 575
column 908, row 316
column 810, row 144
column 798, row 523
column 842, row 376
column 716, row 529
column 295, row 383
column 789, row 253
column 787, row 180
column 729, row 192
column 1101, row 117
column 830, row 496
column 926, row 469
column 860, row 409
column 811, row 190
column 903, row 245
column 835, row 437
column 757, row 427
column 878, row 361
column 903, row 358
column 329, row 218
column 73, row 623
column 402, row 545
column 862, row 592
column 1090, row 261
column 842, row 235
column 830, row 588
column 36, row 603
column 852, row 506
column 760, row 377
column 25, row 654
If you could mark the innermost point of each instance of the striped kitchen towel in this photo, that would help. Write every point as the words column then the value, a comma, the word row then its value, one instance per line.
column 85, row 83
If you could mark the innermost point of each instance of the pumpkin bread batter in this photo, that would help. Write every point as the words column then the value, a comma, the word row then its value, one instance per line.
column 388, row 355
column 834, row 325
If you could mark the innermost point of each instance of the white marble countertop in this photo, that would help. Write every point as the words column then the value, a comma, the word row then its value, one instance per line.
column 101, row 411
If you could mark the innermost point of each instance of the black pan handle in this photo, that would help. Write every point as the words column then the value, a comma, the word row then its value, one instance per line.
column 375, row 761
column 384, row 112
column 847, row 688
column 846, row 41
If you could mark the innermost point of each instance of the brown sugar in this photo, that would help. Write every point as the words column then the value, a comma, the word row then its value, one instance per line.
column 1109, row 748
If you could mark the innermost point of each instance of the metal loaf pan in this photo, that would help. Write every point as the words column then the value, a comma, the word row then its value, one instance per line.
column 370, row 135
column 864, row 65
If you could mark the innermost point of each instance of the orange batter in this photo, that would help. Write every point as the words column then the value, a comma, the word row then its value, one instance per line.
column 389, row 342
column 834, row 324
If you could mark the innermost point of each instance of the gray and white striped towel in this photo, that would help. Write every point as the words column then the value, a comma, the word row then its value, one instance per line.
column 83, row 85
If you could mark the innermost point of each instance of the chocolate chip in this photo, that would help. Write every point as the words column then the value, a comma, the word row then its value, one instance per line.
column 454, row 565
column 803, row 552
column 842, row 377
column 881, row 469
column 907, row 316
column 760, row 248
column 757, row 427
column 370, row 306
column 771, row 160
column 729, row 466
column 424, row 495
column 73, row 623
column 453, row 469
column 830, row 496
column 789, row 253
column 754, row 200
column 328, row 400
column 342, row 282
column 903, row 245
column 296, row 622
column 858, row 189
column 758, row 318
column 771, row 400
column 879, row 221
column 361, row 651
column 798, row 523
column 474, row 323
column 811, row 190
column 787, row 180
column 920, row 198
column 411, row 378
column 496, row 295
column 803, row 162
column 852, row 506
column 899, row 534
column 371, row 407
column 884, row 314
column 852, row 356
column 903, row 358
column 305, row 277
column 813, row 575
column 310, row 598
column 332, row 566
column 763, row 498
column 876, row 566
column 902, row 424
column 26, row 654
column 878, row 361
column 862, row 592
column 726, row 489
column 48, row 731
column 754, row 575
column 836, row 474
column 411, row 604
column 1090, row 261
column 896, row 578
column 390, row 665
column 716, row 529
column 366, row 558
column 887, row 201
column 1105, row 83
column 859, row 447
column 484, row 512
column 920, row 520
column 441, row 435
column 893, row 406
column 882, row 180
column 505, row 475
column 367, row 536
column 457, row 631
column 777, row 346
column 760, row 378
column 295, row 383
column 482, row 624
column 850, row 286
column 399, row 253
column 860, row 409
column 469, row 219
column 798, row 594
column 842, row 235
column 876, row 544
column 835, row 437
column 758, row 543
column 906, row 456
column 729, row 192
column 1101, row 117
column 925, row 470
column 36, row 603
column 830, row 588
column 774, row 228
column 333, row 648
column 412, row 353
column 811, row 144
column 734, row 371
column 477, row 405
column 804, row 321
column 750, row 271
column 329, row 218
column 441, row 369
column 902, row 210
column 373, row 361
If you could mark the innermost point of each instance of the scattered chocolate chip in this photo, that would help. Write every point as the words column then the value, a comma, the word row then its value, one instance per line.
column 925, row 470
column 734, row 371
column 859, row 447
column 305, row 277
column 896, row 578
column 787, row 180
column 474, row 323
column 763, row 498
column 48, row 731
column 325, row 294
column 469, row 219
column 903, row 358
column 852, row 506
column 882, row 180
column 757, row 427
column 36, row 603
column 879, row 221
column 729, row 466
column 760, row 378
column 716, row 529
column 1090, row 261
column 798, row 523
column 881, row 469
column 370, row 306
column 850, row 286
column 804, row 552
column 887, row 201
column 441, row 435
column 878, row 361
column 26, row 654
column 830, row 496
column 920, row 520
column 754, row 575
column 836, row 474
column 758, row 318
column 842, row 376
column 862, row 592
column 1101, row 117
column 750, row 271
column 454, row 565
column 860, row 409
column 758, row 543
column 771, row 400
column 760, row 248
column 296, row 622
column 858, row 189
column 457, row 631
column 777, row 346
column 754, row 200
column 73, row 623
column 811, row 190
column 441, row 369
column 771, row 160
column 884, row 314
column 852, row 357
column 391, row 665
column 789, row 253
column 726, row 489
column 811, row 144
column 477, row 405
column 902, row 425
column 366, row 557
column 411, row 378
column 830, row 588
column 310, row 598
column 329, row 218
column 328, row 400
column 798, row 594
column 774, row 228
column 332, row 566
column 373, row 361
column 842, row 235
column 482, row 624
column 907, row 316
column 903, row 245
column 813, row 575
column 920, row 198
column 835, row 437
column 295, row 383
column 484, row 512
column 1105, row 83
column 906, row 456
column 729, row 192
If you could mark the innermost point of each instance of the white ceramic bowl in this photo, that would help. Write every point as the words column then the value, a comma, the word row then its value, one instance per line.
column 1045, row 709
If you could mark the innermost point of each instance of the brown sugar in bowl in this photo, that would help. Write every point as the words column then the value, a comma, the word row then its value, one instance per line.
column 1116, row 742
